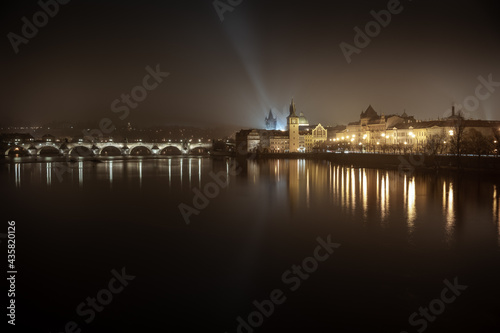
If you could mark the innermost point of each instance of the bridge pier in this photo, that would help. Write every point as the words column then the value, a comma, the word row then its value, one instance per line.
column 32, row 151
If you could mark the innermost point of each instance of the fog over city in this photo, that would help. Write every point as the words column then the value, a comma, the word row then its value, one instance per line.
column 427, row 57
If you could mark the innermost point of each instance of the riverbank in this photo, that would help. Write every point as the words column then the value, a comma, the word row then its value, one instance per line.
column 404, row 162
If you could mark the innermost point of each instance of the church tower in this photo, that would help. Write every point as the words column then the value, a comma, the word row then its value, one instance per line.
column 271, row 121
column 293, row 129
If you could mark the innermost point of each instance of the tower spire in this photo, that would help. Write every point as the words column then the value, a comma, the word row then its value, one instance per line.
column 292, row 109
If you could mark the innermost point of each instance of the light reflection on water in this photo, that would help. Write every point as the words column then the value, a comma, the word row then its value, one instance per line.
column 367, row 195
column 496, row 212
column 410, row 199
column 80, row 173
column 448, row 207
column 382, row 195
column 49, row 173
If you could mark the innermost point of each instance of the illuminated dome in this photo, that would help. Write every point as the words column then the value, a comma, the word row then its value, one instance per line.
column 303, row 120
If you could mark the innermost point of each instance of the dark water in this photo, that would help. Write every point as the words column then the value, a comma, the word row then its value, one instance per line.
column 400, row 236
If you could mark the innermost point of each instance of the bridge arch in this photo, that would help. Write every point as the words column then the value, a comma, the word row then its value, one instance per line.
column 80, row 151
column 170, row 150
column 110, row 151
column 16, row 150
column 140, row 151
column 48, row 150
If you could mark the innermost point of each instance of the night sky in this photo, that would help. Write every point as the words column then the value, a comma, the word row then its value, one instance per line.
column 261, row 55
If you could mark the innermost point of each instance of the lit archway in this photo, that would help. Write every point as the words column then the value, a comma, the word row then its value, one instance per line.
column 16, row 151
column 140, row 151
column 170, row 150
column 111, row 151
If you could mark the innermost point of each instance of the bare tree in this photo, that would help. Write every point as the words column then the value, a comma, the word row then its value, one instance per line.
column 457, row 137
column 496, row 140
column 435, row 144
column 393, row 148
column 476, row 143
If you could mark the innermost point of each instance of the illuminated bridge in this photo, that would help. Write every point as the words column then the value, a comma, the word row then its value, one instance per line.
column 111, row 148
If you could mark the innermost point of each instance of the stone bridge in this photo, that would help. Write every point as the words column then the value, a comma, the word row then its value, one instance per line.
column 125, row 148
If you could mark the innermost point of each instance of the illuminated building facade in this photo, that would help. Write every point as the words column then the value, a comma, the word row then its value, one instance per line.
column 378, row 132
column 299, row 137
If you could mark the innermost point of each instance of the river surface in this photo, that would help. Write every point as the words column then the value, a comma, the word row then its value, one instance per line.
column 201, row 260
